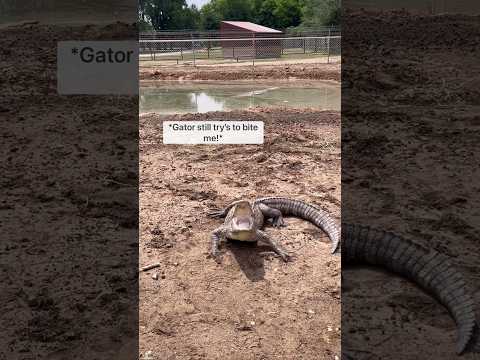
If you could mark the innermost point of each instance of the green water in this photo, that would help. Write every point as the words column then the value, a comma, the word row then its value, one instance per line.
column 202, row 98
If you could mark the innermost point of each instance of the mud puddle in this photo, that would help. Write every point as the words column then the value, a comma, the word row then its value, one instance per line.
column 205, row 97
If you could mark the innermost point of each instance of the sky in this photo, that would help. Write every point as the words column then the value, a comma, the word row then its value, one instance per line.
column 199, row 3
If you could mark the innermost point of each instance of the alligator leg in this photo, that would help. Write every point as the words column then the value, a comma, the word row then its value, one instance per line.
column 274, row 214
column 262, row 236
column 217, row 235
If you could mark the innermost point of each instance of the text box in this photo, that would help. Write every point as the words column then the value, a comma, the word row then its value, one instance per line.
column 213, row 132
column 97, row 67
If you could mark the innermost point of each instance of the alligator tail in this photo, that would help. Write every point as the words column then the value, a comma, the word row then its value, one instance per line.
column 428, row 268
column 308, row 212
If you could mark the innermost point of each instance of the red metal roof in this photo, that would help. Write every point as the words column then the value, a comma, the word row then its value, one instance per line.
column 251, row 26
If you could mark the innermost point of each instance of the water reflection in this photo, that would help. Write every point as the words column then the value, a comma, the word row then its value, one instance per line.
column 169, row 99
column 205, row 103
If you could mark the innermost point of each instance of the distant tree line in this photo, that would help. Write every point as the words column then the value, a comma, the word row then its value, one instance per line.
column 278, row 14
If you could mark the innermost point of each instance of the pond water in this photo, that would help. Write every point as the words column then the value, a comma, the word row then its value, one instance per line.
column 204, row 97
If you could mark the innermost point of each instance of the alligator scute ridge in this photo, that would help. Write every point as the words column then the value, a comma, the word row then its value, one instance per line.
column 308, row 212
column 429, row 269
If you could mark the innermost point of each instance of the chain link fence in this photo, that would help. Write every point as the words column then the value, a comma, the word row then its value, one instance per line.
column 237, row 48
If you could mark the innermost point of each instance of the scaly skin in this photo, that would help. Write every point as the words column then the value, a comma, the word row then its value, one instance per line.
column 428, row 268
column 277, row 207
column 255, row 217
column 308, row 212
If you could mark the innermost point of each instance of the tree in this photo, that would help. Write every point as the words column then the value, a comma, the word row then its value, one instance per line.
column 321, row 12
column 141, row 10
column 187, row 18
column 235, row 9
column 210, row 18
column 169, row 14
column 215, row 11
column 278, row 14
column 265, row 13
column 287, row 13
column 144, row 25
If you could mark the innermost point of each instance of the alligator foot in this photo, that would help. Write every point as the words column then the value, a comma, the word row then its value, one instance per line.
column 275, row 246
column 279, row 222
column 274, row 214
column 215, row 213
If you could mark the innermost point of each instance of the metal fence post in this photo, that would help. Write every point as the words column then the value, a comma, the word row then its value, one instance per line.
column 193, row 49
column 254, row 50
column 328, row 47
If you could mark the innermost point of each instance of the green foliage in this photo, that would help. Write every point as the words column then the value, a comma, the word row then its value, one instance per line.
column 169, row 14
column 144, row 25
column 287, row 13
column 210, row 18
column 240, row 10
column 320, row 13
column 265, row 10
column 278, row 14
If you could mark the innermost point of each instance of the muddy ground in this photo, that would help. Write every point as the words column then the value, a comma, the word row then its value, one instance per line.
column 68, row 208
column 410, row 156
column 316, row 71
column 252, row 306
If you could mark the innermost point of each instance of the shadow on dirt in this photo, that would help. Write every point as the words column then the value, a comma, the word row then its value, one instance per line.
column 249, row 259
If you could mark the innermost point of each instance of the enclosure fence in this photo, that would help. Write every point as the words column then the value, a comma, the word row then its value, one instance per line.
column 237, row 47
column 215, row 34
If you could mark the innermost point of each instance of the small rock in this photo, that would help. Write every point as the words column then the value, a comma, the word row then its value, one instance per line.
column 311, row 312
column 155, row 276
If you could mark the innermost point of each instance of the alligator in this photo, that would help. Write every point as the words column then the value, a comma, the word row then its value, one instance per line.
column 244, row 221
column 429, row 269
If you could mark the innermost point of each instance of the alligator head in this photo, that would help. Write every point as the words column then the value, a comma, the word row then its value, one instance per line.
column 242, row 220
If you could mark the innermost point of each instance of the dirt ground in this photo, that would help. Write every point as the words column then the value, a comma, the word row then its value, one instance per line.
column 410, row 107
column 252, row 306
column 68, row 209
column 316, row 71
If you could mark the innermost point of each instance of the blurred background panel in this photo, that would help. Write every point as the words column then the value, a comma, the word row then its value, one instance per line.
column 429, row 6
column 70, row 11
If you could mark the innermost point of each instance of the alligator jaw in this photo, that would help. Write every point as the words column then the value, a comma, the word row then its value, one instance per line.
column 242, row 223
